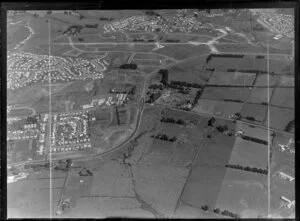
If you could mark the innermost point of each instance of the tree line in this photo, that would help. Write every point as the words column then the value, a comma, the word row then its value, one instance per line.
column 224, row 212
column 185, row 84
column 164, row 137
column 251, row 169
column 224, row 56
column 290, row 126
column 254, row 139
column 172, row 120
column 249, row 71
column 128, row 66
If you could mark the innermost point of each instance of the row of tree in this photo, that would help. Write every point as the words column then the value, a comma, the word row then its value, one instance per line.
column 249, row 71
column 251, row 169
column 164, row 76
column 197, row 97
column 91, row 26
column 224, row 55
column 186, row 84
column 256, row 140
column 164, row 137
column 250, row 118
column 224, row 212
column 172, row 120
column 172, row 40
column 233, row 100
column 128, row 66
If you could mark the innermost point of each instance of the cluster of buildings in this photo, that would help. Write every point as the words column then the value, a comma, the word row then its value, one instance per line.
column 22, row 129
column 107, row 100
column 287, row 147
column 70, row 132
column 28, row 68
column 145, row 23
column 281, row 24
column 15, row 178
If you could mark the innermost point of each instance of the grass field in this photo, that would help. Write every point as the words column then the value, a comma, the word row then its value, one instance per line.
column 186, row 38
column 265, row 80
column 30, row 198
column 287, row 81
column 225, row 78
column 145, row 36
column 191, row 71
column 244, row 193
column 260, row 95
column 220, row 93
column 142, row 62
column 226, row 109
column 19, row 112
column 181, row 52
column 148, row 56
column 210, row 163
column 205, row 106
column 280, row 117
column 247, row 153
column 283, row 97
column 252, row 131
column 16, row 34
column 257, row 111
column 21, row 150
column 245, row 63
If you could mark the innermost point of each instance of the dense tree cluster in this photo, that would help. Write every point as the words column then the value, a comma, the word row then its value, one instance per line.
column 256, row 140
column 156, row 86
column 164, row 137
column 37, row 167
column 222, row 128
column 153, row 97
column 85, row 172
column 172, row 120
column 33, row 119
column 128, row 66
column 251, row 169
column 129, row 92
column 211, row 121
column 210, row 69
column 73, row 29
column 290, row 126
